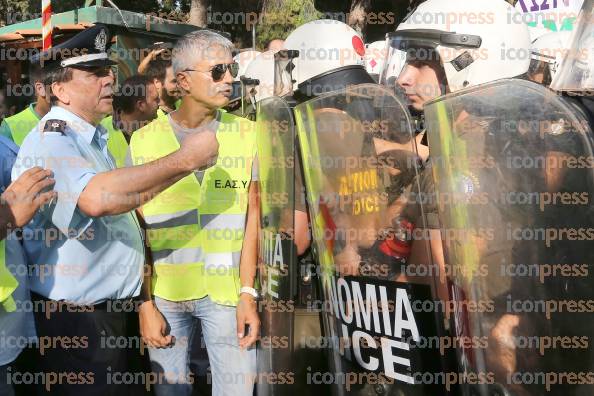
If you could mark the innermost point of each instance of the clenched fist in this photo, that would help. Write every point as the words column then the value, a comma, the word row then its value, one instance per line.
column 199, row 150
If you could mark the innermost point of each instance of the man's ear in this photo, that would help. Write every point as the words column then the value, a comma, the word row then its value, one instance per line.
column 140, row 105
column 182, row 82
column 59, row 91
column 158, row 84
column 40, row 90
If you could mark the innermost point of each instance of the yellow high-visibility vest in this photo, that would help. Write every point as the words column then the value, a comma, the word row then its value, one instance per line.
column 116, row 142
column 195, row 229
column 8, row 283
column 21, row 124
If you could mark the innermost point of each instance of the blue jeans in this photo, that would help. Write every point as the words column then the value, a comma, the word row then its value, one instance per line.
column 233, row 370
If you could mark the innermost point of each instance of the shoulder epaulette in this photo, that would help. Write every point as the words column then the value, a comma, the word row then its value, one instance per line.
column 55, row 126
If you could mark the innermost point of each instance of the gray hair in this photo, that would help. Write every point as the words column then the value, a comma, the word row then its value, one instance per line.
column 196, row 46
column 61, row 75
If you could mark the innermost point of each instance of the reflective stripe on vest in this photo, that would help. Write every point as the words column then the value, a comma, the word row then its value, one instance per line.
column 116, row 142
column 195, row 230
column 21, row 124
column 8, row 283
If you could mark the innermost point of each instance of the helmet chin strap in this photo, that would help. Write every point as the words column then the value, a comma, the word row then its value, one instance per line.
column 253, row 100
column 418, row 119
column 443, row 88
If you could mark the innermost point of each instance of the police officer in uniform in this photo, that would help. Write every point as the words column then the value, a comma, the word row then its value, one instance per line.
column 423, row 78
column 85, row 249
column 243, row 59
column 572, row 70
column 479, row 133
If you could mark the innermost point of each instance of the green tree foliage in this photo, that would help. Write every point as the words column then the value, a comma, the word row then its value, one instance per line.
column 274, row 18
column 143, row 6
column 14, row 11
column 281, row 17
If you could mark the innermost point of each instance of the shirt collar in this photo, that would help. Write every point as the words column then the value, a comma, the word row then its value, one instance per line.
column 32, row 108
column 210, row 126
column 75, row 123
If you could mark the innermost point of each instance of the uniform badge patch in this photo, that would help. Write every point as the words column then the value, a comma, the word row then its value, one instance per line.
column 55, row 126
column 469, row 184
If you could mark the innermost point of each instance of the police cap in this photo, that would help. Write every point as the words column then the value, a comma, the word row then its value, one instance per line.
column 87, row 49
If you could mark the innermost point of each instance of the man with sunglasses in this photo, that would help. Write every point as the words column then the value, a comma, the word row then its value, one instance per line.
column 85, row 249
column 202, row 231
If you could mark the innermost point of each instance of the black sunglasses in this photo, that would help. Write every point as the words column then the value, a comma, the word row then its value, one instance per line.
column 218, row 71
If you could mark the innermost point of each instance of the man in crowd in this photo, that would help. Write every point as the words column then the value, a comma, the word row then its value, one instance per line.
column 275, row 45
column 85, row 249
column 134, row 106
column 160, row 71
column 202, row 231
column 19, row 125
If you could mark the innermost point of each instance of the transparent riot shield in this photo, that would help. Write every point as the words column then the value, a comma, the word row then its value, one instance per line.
column 513, row 172
column 276, row 259
column 361, row 171
column 576, row 71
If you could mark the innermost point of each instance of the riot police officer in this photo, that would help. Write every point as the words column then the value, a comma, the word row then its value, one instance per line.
column 243, row 59
column 481, row 157
column 574, row 75
column 345, row 122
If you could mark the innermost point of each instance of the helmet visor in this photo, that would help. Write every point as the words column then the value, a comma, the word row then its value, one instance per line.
column 429, row 38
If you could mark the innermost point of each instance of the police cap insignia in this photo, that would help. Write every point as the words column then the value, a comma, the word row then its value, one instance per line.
column 55, row 126
column 101, row 40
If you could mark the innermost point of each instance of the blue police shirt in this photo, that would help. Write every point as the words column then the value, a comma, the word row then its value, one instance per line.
column 8, row 153
column 75, row 257
column 17, row 328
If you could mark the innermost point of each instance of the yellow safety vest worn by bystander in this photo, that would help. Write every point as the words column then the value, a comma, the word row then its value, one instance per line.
column 116, row 142
column 161, row 113
column 195, row 228
column 8, row 283
column 21, row 124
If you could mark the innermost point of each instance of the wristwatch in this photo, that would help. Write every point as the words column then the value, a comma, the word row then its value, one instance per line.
column 249, row 290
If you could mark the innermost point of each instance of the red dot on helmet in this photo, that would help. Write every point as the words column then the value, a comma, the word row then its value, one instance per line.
column 358, row 45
